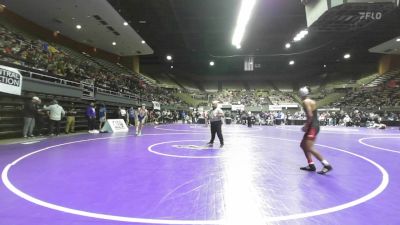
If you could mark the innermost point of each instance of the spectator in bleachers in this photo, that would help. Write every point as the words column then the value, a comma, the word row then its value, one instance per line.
column 56, row 114
column 70, row 113
column 30, row 111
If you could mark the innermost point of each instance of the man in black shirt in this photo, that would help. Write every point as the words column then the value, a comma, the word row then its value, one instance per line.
column 215, row 117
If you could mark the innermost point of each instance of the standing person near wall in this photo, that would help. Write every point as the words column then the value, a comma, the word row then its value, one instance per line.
column 91, row 117
column 204, row 114
column 41, row 119
column 126, row 116
column 56, row 114
column 71, row 113
column 249, row 123
column 102, row 115
column 132, row 115
column 121, row 113
column 30, row 111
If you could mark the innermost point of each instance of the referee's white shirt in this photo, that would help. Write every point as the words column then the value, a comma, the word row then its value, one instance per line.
column 213, row 115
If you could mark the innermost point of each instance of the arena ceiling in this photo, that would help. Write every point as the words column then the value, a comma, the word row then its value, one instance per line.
column 195, row 32
column 101, row 25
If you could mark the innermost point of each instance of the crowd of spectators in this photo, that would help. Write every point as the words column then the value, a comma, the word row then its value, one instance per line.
column 280, row 98
column 242, row 97
column 326, row 118
column 369, row 98
column 356, row 118
column 17, row 49
column 254, row 97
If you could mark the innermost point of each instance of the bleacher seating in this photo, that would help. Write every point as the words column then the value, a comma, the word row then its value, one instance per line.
column 382, row 92
column 24, row 51
column 383, row 78
column 281, row 98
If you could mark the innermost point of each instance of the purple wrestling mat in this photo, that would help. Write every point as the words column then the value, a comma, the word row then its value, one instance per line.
column 170, row 176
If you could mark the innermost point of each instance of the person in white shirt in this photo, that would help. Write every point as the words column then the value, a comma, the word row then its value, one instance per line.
column 56, row 114
column 215, row 117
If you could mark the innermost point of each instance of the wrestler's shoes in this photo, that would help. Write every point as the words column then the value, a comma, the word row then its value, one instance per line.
column 310, row 167
column 326, row 169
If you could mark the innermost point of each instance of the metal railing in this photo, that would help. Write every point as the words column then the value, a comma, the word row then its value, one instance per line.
column 58, row 80
column 119, row 94
column 35, row 75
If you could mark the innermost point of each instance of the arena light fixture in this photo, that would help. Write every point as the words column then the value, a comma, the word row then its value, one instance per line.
column 398, row 39
column 347, row 56
column 212, row 63
column 291, row 62
column 300, row 35
column 125, row 23
column 288, row 45
column 246, row 8
column 143, row 42
column 169, row 57
column 78, row 27
column 172, row 67
column 114, row 43
column 324, row 65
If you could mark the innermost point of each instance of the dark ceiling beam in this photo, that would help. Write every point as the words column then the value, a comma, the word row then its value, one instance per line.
column 172, row 4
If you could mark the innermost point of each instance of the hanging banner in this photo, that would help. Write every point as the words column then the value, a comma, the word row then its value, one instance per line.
column 275, row 108
column 10, row 80
column 237, row 107
column 156, row 105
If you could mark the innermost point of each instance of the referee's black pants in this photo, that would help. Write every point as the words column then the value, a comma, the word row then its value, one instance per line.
column 216, row 128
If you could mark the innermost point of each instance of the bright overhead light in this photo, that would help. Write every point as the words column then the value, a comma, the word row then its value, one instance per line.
column 324, row 66
column 78, row 27
column 143, row 42
column 300, row 35
column 169, row 58
column 114, row 43
column 347, row 56
column 291, row 62
column 288, row 45
column 398, row 39
column 172, row 67
column 125, row 23
column 212, row 63
column 246, row 8
column 238, row 46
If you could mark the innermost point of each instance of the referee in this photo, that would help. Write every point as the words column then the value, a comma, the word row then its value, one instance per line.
column 215, row 117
